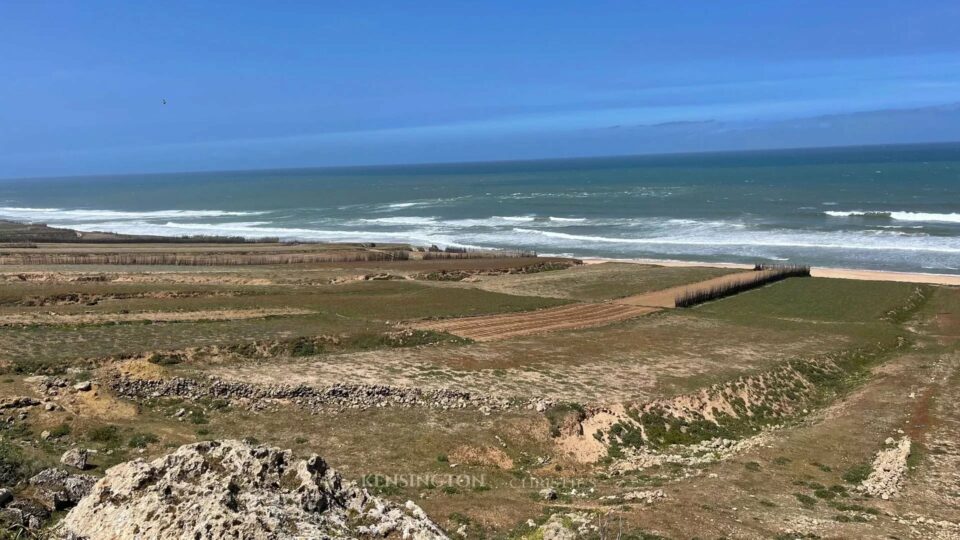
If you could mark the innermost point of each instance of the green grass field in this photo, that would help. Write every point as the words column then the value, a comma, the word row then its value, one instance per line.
column 791, row 475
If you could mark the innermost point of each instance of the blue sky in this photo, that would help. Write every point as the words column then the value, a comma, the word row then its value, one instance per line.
column 294, row 84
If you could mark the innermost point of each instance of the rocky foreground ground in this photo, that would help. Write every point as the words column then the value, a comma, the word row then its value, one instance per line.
column 231, row 489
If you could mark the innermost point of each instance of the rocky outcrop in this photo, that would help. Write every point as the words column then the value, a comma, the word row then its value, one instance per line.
column 888, row 469
column 231, row 489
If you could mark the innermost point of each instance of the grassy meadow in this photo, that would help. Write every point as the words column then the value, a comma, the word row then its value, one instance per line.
column 797, row 474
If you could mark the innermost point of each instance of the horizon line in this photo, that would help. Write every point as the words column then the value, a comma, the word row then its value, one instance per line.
column 488, row 162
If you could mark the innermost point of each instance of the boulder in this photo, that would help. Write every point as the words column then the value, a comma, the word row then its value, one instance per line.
column 231, row 489
column 23, row 514
column 548, row 494
column 60, row 490
column 75, row 457
column 83, row 386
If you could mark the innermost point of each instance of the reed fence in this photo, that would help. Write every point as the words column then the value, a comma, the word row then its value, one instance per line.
column 764, row 274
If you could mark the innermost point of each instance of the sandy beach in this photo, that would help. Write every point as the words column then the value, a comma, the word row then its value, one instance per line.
column 836, row 273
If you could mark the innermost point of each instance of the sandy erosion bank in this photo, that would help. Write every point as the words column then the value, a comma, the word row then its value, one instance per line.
column 837, row 273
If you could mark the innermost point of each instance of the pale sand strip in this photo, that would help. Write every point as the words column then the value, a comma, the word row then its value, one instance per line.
column 836, row 273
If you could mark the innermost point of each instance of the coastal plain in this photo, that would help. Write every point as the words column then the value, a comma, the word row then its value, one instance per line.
column 779, row 412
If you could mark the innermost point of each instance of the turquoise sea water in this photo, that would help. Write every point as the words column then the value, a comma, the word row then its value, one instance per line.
column 895, row 207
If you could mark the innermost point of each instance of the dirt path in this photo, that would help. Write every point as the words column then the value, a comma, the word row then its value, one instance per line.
column 573, row 316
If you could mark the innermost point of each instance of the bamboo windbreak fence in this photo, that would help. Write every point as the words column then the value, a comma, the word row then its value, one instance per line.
column 763, row 275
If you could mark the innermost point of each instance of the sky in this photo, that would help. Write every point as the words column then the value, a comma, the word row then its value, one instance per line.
column 299, row 84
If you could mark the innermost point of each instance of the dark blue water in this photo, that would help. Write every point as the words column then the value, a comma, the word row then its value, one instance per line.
column 895, row 207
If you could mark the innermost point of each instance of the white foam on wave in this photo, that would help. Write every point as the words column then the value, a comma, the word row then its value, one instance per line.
column 857, row 213
column 782, row 239
column 401, row 220
column 492, row 221
column 406, row 204
column 392, row 207
column 260, row 229
column 45, row 214
column 898, row 216
column 567, row 220
column 924, row 216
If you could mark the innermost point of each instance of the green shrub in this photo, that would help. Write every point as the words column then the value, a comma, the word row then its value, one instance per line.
column 857, row 474
column 142, row 440
column 804, row 499
column 824, row 494
column 60, row 431
column 104, row 434
column 14, row 466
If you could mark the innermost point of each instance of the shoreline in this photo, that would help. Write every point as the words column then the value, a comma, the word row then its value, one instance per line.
column 861, row 274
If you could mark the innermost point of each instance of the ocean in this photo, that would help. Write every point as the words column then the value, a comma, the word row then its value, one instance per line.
column 882, row 207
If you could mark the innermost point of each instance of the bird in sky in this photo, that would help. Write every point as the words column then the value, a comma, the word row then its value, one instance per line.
column 163, row 101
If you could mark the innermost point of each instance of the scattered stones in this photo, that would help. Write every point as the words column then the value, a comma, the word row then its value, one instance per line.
column 51, row 386
column 693, row 455
column 337, row 396
column 18, row 402
column 75, row 457
column 230, row 489
column 44, row 435
column 567, row 526
column 23, row 515
column 5, row 496
column 889, row 466
column 84, row 386
column 646, row 496
column 59, row 490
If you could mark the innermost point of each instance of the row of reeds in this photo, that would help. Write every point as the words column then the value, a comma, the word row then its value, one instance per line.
column 189, row 239
column 764, row 274
column 202, row 259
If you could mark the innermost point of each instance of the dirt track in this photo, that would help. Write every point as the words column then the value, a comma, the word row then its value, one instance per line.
column 534, row 322
column 569, row 317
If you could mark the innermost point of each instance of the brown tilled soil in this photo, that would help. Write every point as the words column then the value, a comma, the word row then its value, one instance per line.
column 581, row 315
column 544, row 320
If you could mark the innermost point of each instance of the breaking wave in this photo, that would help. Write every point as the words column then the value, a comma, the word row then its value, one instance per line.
column 899, row 216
